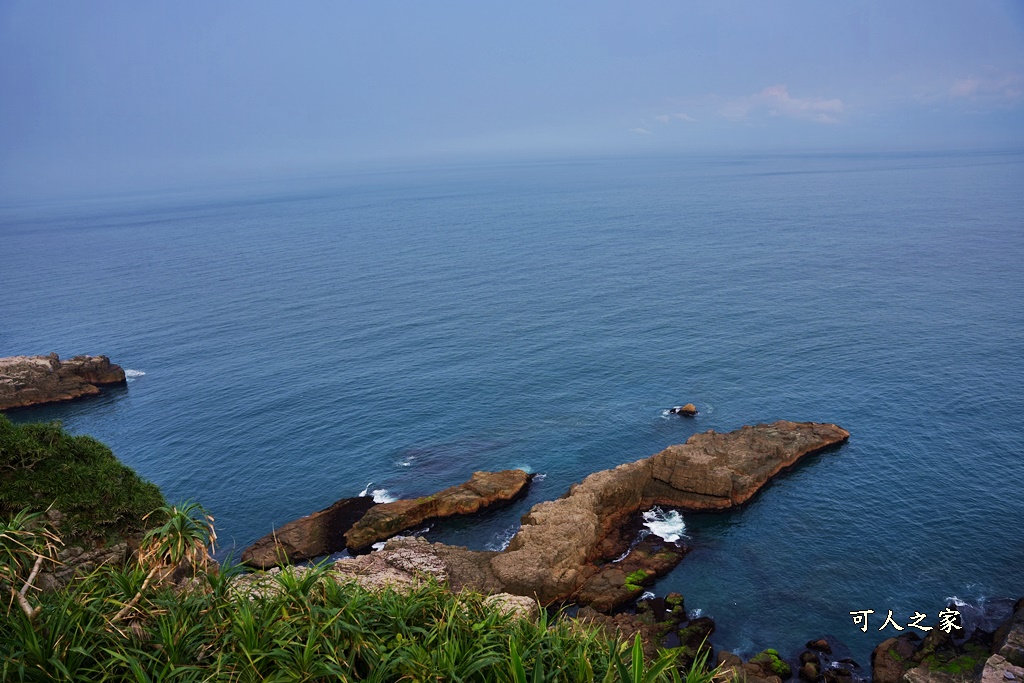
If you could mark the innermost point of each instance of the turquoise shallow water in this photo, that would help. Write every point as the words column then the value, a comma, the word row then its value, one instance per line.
column 303, row 339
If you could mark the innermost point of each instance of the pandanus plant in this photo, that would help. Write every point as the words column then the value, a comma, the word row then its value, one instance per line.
column 186, row 539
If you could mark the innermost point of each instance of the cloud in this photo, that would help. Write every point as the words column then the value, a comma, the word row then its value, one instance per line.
column 1005, row 88
column 641, row 131
column 775, row 100
column 669, row 118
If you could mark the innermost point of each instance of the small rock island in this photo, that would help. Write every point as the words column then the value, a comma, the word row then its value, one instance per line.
column 35, row 380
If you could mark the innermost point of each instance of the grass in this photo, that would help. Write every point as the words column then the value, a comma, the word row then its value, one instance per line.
column 42, row 466
column 133, row 624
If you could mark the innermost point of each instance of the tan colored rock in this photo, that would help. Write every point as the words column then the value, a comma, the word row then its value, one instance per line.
column 999, row 670
column 551, row 557
column 320, row 533
column 518, row 606
column 35, row 380
column 689, row 410
column 922, row 674
column 406, row 562
column 483, row 490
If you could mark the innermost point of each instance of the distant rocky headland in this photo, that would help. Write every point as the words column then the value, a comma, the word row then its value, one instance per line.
column 36, row 380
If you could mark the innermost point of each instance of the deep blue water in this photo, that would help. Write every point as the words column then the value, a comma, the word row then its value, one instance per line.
column 302, row 339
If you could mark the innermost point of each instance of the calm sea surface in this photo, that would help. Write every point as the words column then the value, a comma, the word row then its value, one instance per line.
column 304, row 340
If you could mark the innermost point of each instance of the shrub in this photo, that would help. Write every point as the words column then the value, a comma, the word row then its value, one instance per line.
column 42, row 466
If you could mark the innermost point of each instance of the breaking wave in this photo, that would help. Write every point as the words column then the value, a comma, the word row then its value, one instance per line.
column 668, row 525
column 379, row 495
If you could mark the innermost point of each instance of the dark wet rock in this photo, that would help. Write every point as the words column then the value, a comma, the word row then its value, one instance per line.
column 893, row 657
column 820, row 645
column 35, row 380
column 484, row 489
column 810, row 672
column 320, row 533
column 767, row 663
column 616, row 583
column 939, row 657
column 838, row 675
column 695, row 641
column 626, row 627
column 807, row 657
column 552, row 556
column 1009, row 637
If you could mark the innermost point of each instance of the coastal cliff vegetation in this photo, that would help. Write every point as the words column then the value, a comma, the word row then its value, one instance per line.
column 172, row 614
column 99, row 498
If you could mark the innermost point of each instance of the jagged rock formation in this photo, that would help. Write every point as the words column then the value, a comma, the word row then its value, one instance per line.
column 483, row 490
column 942, row 657
column 555, row 551
column 581, row 545
column 320, row 533
column 34, row 380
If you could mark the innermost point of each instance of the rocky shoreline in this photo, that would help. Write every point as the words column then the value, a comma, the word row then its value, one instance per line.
column 580, row 548
column 36, row 380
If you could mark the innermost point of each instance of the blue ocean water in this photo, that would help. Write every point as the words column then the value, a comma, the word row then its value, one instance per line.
column 303, row 340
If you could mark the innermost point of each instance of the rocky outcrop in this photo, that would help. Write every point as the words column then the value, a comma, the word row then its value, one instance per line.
column 892, row 658
column 689, row 410
column 34, row 380
column 409, row 560
column 483, row 490
column 616, row 583
column 555, row 551
column 320, row 533
column 942, row 657
column 998, row 669
column 1009, row 638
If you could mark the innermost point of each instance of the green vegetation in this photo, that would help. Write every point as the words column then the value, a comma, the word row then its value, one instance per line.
column 143, row 623
column 43, row 466
column 634, row 580
column 965, row 664
column 769, row 660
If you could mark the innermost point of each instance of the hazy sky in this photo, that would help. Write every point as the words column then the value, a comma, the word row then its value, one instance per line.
column 97, row 94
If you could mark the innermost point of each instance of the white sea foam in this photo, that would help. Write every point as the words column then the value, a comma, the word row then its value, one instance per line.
column 668, row 525
column 379, row 545
column 383, row 496
column 540, row 477
column 132, row 374
column 525, row 468
column 694, row 614
column 379, row 495
column 502, row 538
column 647, row 595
